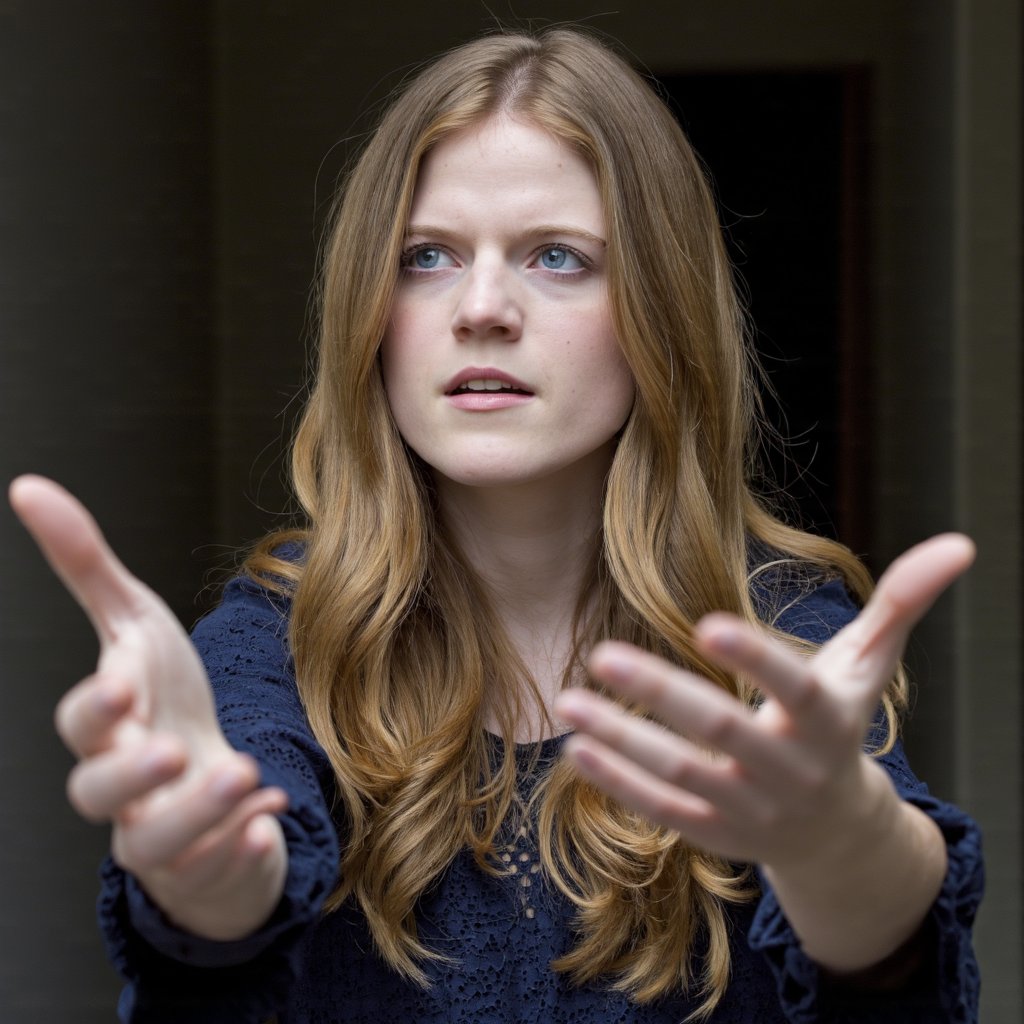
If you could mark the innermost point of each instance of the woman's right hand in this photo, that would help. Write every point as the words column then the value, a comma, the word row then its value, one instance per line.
column 189, row 821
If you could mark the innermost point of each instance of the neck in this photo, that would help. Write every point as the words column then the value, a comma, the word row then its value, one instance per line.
column 531, row 546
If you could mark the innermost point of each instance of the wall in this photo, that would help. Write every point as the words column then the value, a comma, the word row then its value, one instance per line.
column 165, row 173
column 107, row 382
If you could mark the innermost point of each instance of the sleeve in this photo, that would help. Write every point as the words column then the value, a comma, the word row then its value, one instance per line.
column 171, row 974
column 944, row 987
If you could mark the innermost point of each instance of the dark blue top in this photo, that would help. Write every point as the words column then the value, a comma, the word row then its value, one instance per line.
column 501, row 933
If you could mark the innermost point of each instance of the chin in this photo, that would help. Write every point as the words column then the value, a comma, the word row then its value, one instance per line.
column 487, row 476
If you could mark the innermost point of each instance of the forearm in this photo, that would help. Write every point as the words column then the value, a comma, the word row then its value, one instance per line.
column 867, row 889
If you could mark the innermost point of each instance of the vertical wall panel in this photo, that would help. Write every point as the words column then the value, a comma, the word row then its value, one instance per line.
column 988, row 454
column 106, row 383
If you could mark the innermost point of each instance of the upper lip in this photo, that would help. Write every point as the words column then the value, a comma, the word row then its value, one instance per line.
column 483, row 373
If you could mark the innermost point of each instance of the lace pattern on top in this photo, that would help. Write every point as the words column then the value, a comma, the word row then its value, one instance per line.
column 316, row 969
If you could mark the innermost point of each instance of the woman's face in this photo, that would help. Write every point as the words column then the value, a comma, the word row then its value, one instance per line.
column 500, row 362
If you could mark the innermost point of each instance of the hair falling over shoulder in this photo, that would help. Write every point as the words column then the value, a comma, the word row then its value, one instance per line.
column 393, row 639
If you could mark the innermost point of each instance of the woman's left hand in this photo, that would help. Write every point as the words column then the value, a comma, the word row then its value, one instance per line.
column 770, row 785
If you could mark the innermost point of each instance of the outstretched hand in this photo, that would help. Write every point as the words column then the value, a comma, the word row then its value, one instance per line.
column 776, row 785
column 188, row 817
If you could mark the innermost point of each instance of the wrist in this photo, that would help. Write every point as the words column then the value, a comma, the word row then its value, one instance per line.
column 233, row 905
column 865, row 889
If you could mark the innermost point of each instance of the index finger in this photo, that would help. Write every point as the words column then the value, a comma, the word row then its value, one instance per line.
column 72, row 543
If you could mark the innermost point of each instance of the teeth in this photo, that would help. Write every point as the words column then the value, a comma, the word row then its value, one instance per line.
column 487, row 385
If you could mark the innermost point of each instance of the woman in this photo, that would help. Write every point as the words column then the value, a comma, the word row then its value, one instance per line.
column 530, row 434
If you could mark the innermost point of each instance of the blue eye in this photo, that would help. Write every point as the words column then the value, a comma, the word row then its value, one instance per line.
column 427, row 257
column 557, row 257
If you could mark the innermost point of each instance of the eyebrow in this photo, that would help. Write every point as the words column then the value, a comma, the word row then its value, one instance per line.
column 433, row 231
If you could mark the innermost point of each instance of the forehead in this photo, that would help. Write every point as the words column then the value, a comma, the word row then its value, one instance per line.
column 507, row 166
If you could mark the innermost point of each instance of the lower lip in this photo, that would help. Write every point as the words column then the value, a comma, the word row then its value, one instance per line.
column 487, row 401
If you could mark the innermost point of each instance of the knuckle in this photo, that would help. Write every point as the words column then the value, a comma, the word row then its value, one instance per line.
column 721, row 726
column 663, row 808
column 616, row 733
column 656, row 687
column 819, row 776
column 133, row 854
column 65, row 718
column 679, row 771
column 807, row 693
column 83, row 799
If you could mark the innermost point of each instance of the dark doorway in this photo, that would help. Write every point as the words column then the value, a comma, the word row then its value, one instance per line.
column 787, row 154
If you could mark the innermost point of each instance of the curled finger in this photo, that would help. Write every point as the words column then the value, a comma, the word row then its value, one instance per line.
column 644, row 793
column 153, row 834
column 100, row 787
column 245, row 837
column 669, row 757
column 695, row 708
column 86, row 716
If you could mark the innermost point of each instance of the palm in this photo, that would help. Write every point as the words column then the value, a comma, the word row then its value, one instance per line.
column 172, row 699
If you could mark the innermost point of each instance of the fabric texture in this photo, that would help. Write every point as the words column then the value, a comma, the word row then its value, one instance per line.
column 499, row 933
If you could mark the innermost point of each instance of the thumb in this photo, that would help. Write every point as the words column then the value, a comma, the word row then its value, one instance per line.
column 72, row 543
column 910, row 586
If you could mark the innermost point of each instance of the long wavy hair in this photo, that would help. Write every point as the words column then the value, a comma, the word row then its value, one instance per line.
column 394, row 639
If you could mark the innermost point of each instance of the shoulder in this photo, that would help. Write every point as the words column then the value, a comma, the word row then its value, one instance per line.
column 252, row 615
column 810, row 608
column 819, row 613
column 262, row 587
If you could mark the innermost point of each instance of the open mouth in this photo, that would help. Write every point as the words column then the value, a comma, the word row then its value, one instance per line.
column 477, row 387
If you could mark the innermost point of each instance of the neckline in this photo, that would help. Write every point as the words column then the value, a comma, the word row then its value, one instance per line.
column 544, row 745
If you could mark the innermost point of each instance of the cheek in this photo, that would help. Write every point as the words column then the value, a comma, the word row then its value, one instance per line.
column 603, row 368
column 388, row 361
column 624, row 391
column 406, row 373
column 408, row 342
column 618, row 383
column 397, row 354
column 394, row 367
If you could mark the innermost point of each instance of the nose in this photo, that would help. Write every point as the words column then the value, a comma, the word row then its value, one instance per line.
column 488, row 304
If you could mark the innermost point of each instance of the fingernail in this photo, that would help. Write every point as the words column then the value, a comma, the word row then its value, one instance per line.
column 719, row 634
column 726, row 641
column 614, row 663
column 579, row 754
column 571, row 708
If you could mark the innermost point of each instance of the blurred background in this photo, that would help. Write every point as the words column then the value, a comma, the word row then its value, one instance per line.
column 166, row 170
